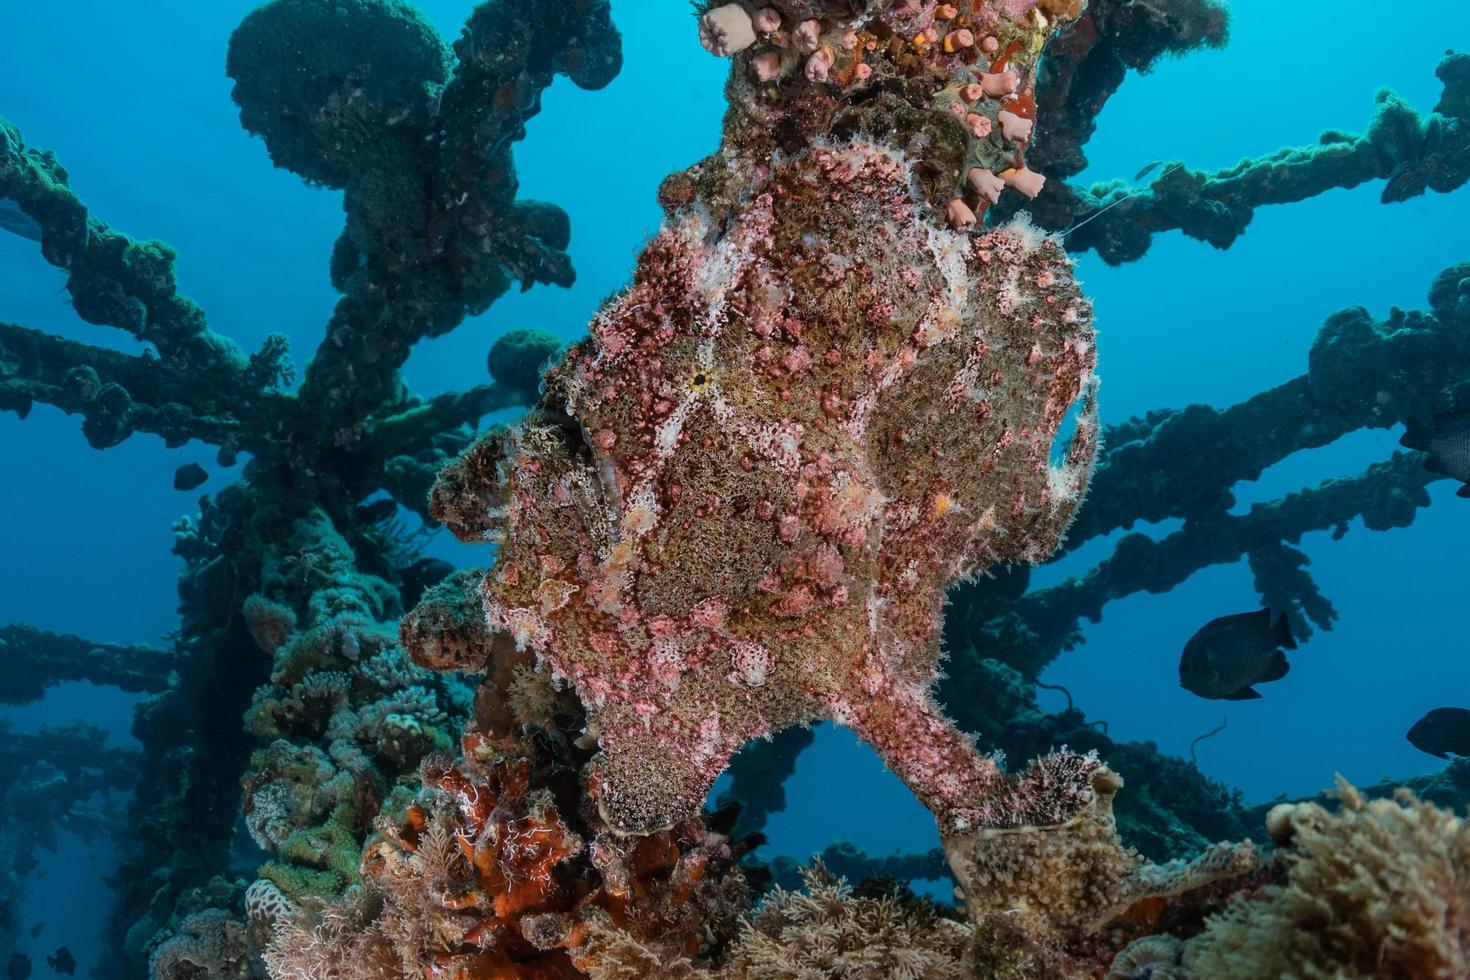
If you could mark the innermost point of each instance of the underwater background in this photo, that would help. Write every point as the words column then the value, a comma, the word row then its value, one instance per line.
column 134, row 100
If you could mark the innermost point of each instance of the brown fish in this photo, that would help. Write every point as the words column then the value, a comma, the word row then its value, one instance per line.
column 189, row 476
column 1442, row 732
column 1447, row 441
column 62, row 962
column 1230, row 654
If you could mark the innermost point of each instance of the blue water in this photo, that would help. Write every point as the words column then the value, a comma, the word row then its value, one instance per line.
column 133, row 99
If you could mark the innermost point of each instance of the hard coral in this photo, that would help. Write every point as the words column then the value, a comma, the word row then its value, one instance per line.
column 827, row 931
column 851, row 408
column 207, row 944
column 516, row 359
column 346, row 715
column 486, row 876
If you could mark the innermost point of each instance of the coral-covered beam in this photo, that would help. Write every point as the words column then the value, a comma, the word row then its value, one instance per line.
column 32, row 660
column 418, row 425
column 113, row 280
column 78, row 751
column 419, row 139
column 199, row 385
column 408, row 448
column 119, row 394
column 417, row 442
column 1386, row 495
column 851, row 862
column 1411, row 154
column 1088, row 61
column 1363, row 373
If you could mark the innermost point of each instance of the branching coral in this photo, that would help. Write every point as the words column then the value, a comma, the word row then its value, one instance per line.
column 488, row 876
column 826, row 931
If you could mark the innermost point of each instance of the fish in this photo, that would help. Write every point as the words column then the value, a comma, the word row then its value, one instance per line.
column 19, row 967
column 189, row 476
column 62, row 962
column 1147, row 169
column 36, row 929
column 17, row 222
column 1227, row 656
column 1447, row 441
column 1443, row 732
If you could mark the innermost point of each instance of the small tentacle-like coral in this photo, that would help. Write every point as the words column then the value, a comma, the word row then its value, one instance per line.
column 1149, row 958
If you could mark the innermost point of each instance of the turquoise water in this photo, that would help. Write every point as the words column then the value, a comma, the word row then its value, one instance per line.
column 134, row 101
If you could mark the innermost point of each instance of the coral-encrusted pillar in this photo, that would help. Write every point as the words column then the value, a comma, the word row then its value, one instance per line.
column 801, row 427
